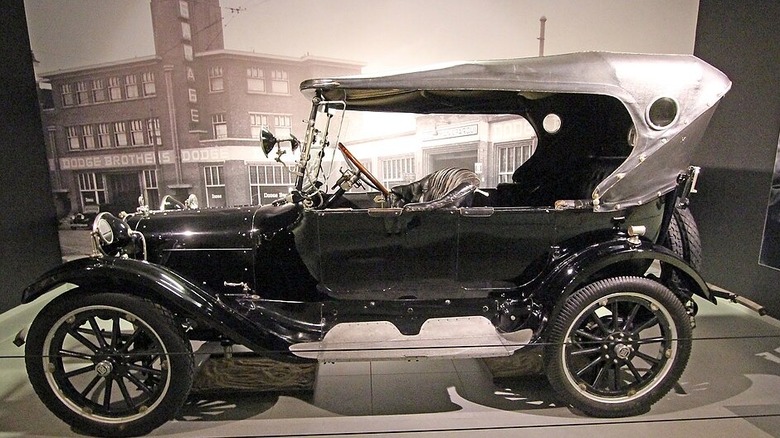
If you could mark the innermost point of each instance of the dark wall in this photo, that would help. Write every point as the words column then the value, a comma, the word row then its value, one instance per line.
column 738, row 151
column 28, row 229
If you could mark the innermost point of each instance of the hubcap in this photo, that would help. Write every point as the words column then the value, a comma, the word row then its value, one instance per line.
column 623, row 351
column 620, row 345
column 104, row 368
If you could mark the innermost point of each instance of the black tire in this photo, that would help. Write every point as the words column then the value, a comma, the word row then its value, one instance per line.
column 683, row 237
column 614, row 367
column 109, row 364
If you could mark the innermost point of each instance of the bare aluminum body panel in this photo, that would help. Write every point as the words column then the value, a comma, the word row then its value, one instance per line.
column 660, row 153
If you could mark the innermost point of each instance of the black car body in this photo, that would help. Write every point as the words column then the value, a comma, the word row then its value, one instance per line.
column 586, row 251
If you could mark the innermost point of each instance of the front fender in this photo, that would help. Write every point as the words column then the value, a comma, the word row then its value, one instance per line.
column 156, row 283
column 578, row 267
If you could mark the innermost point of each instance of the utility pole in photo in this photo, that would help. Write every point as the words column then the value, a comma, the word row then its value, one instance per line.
column 542, row 22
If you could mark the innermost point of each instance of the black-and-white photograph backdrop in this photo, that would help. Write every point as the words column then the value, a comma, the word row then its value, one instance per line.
column 108, row 57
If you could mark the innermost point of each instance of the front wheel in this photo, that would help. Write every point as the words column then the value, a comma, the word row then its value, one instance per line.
column 617, row 346
column 109, row 364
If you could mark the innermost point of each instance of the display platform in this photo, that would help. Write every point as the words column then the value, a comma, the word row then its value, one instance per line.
column 731, row 388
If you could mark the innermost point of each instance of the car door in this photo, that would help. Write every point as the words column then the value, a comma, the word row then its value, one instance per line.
column 497, row 244
column 378, row 254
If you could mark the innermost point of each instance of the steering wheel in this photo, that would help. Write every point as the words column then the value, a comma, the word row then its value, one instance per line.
column 364, row 173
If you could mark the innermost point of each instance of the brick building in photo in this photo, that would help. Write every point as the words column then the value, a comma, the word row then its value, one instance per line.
column 183, row 121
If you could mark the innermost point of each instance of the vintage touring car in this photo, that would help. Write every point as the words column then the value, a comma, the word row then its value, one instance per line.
column 586, row 249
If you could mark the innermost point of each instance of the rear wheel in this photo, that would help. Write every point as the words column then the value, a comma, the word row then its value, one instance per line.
column 617, row 346
column 109, row 364
column 683, row 237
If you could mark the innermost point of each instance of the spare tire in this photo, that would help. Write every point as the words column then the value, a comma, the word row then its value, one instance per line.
column 683, row 237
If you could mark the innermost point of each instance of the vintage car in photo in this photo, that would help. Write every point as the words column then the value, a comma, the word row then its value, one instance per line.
column 587, row 250
column 85, row 218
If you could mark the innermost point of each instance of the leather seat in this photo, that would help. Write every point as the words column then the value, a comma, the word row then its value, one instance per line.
column 445, row 188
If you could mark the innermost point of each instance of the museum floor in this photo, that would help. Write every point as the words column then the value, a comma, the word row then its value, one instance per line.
column 731, row 388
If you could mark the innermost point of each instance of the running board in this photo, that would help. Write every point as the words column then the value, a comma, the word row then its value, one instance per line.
column 461, row 337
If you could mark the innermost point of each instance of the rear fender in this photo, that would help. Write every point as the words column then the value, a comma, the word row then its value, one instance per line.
column 154, row 282
column 581, row 267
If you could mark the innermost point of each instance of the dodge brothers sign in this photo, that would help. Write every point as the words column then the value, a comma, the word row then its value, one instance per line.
column 137, row 159
column 115, row 160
